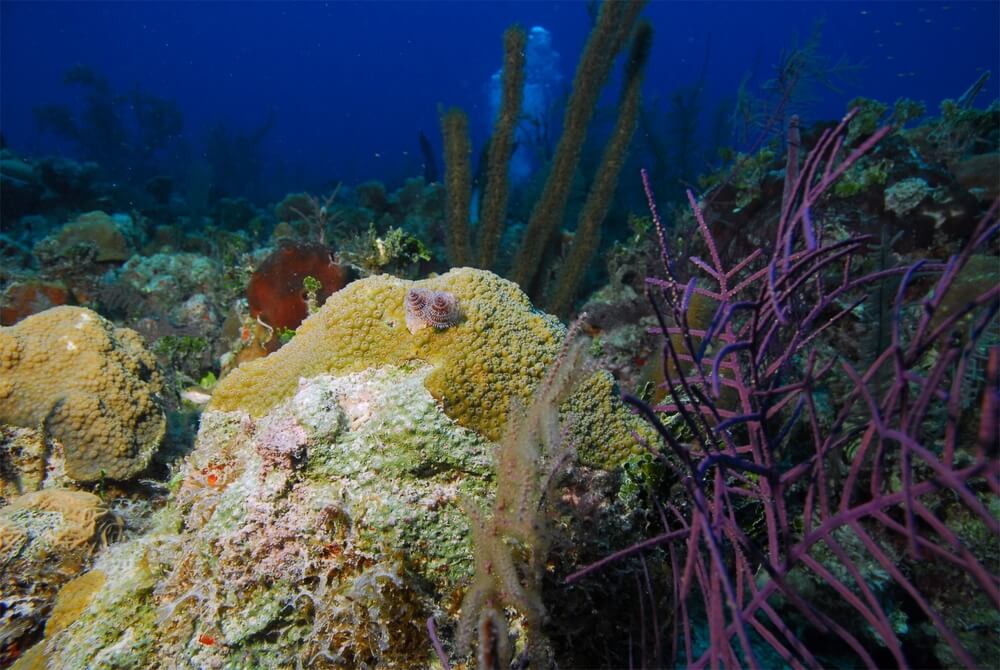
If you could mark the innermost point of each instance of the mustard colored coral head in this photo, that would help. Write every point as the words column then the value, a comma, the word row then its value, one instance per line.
column 91, row 386
column 496, row 345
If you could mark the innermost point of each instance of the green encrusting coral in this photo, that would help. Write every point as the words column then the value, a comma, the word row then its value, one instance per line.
column 498, row 351
column 324, row 530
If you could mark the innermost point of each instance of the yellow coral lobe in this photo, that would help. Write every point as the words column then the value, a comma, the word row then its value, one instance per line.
column 72, row 600
column 500, row 348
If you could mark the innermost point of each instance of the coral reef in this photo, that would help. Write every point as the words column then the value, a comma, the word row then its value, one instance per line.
column 397, row 252
column 323, row 533
column 21, row 299
column 23, row 460
column 114, row 238
column 35, row 185
column 824, row 483
column 169, row 277
column 104, row 410
column 803, row 474
column 498, row 351
column 177, row 302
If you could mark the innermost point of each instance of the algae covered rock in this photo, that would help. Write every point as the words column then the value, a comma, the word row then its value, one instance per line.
column 323, row 514
column 46, row 538
column 90, row 386
column 113, row 237
column 323, row 533
column 170, row 278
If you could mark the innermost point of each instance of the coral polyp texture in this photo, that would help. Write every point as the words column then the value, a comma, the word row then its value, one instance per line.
column 498, row 349
column 104, row 411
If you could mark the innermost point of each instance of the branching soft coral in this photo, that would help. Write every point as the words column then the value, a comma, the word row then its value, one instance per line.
column 512, row 543
column 828, row 514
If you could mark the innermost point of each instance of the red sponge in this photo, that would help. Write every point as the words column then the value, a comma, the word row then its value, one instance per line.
column 275, row 293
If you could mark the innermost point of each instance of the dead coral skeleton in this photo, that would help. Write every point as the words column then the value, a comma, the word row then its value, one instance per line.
column 83, row 514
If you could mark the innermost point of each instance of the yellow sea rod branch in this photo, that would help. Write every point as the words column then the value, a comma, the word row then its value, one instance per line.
column 458, row 184
column 494, row 210
column 614, row 23
column 602, row 192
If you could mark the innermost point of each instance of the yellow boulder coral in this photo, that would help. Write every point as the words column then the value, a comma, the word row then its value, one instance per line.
column 72, row 599
column 104, row 232
column 88, row 384
column 71, row 602
column 46, row 538
column 499, row 349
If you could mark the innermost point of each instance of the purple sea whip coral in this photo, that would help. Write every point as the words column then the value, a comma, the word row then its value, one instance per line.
column 838, row 494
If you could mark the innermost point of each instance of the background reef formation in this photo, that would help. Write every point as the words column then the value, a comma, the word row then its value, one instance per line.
column 104, row 410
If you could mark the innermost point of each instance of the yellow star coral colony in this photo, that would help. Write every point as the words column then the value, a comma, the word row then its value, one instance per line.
column 500, row 349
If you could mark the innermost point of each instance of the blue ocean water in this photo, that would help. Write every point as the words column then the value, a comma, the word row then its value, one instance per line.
column 342, row 90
